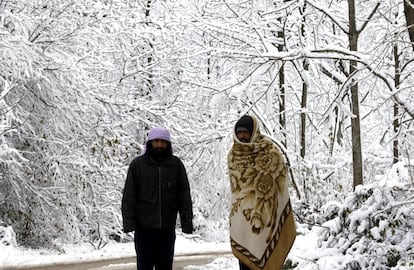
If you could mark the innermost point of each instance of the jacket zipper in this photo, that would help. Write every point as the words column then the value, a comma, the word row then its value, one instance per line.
column 159, row 195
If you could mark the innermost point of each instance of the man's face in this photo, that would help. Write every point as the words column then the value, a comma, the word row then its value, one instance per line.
column 243, row 136
column 159, row 145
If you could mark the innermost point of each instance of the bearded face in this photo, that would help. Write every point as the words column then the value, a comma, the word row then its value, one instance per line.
column 244, row 136
column 159, row 149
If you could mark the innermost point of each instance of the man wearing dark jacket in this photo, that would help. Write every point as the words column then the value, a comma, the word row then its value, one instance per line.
column 156, row 189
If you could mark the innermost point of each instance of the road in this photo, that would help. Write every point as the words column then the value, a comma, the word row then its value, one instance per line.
column 180, row 262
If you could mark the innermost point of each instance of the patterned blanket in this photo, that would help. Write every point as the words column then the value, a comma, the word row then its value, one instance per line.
column 262, row 229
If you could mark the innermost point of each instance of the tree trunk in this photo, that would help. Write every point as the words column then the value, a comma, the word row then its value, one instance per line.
column 304, row 99
column 355, row 120
column 303, row 113
column 396, row 123
column 150, row 57
column 409, row 17
column 282, row 101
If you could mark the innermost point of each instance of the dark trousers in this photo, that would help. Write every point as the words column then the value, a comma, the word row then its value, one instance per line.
column 243, row 266
column 154, row 248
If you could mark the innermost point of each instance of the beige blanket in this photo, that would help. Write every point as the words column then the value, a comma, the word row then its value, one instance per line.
column 262, row 229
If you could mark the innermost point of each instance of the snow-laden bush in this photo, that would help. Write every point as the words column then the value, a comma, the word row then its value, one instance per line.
column 374, row 225
column 7, row 236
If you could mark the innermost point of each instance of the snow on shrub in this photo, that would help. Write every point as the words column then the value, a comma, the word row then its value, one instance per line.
column 7, row 236
column 374, row 225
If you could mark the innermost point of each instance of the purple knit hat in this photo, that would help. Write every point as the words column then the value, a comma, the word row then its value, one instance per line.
column 159, row 133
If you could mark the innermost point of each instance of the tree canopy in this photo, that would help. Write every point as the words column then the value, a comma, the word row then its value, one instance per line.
column 81, row 83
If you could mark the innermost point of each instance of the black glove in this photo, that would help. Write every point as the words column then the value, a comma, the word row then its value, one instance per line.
column 128, row 230
column 129, row 225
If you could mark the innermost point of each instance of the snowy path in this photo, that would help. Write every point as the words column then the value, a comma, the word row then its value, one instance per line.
column 181, row 262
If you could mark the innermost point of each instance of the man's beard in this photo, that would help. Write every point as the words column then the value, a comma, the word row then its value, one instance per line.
column 159, row 153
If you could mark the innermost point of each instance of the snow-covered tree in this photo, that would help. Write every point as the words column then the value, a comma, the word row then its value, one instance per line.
column 81, row 83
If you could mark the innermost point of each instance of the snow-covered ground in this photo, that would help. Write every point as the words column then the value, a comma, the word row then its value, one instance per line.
column 306, row 254
column 303, row 250
column 11, row 256
column 371, row 228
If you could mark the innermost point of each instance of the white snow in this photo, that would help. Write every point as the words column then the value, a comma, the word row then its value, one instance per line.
column 369, row 228
column 18, row 257
column 13, row 256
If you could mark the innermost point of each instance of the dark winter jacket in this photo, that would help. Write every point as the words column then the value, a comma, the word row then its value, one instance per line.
column 154, row 193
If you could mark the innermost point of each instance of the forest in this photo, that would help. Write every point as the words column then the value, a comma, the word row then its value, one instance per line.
column 82, row 82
